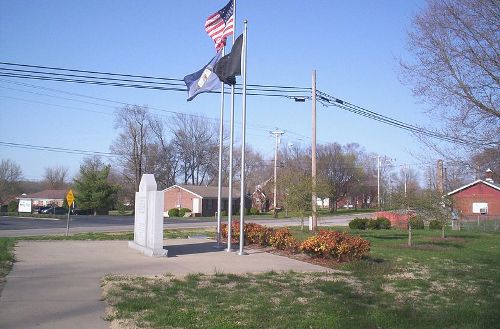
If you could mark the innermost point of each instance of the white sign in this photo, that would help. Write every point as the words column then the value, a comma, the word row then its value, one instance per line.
column 479, row 208
column 24, row 205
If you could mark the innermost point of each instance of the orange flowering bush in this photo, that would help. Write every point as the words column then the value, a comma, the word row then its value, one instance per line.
column 283, row 239
column 325, row 244
column 258, row 234
column 338, row 245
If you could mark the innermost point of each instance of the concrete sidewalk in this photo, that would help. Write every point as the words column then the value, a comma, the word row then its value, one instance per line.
column 56, row 284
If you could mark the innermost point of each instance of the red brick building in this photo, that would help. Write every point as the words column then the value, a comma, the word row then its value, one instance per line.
column 201, row 200
column 481, row 197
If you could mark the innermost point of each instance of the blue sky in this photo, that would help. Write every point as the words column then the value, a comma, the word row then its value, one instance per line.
column 353, row 45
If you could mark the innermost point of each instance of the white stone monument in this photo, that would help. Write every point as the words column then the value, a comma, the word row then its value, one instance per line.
column 148, row 223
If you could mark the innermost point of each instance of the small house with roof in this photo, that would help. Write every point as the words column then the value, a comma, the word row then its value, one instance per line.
column 201, row 200
column 481, row 197
column 41, row 199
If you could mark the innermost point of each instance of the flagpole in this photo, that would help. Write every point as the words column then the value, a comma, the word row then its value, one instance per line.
column 231, row 142
column 243, row 135
column 221, row 146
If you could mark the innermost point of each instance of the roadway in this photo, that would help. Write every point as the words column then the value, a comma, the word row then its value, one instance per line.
column 27, row 226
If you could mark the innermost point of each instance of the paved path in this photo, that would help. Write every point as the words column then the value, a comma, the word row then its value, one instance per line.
column 56, row 284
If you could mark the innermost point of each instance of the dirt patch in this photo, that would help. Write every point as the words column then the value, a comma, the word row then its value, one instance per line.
column 451, row 239
column 328, row 263
column 423, row 246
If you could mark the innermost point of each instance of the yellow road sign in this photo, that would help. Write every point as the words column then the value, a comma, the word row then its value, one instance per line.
column 70, row 198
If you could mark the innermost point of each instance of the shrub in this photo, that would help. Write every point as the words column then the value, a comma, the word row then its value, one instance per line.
column 174, row 212
column 254, row 211
column 381, row 223
column 283, row 239
column 258, row 234
column 223, row 213
column 183, row 211
column 359, row 223
column 435, row 225
column 417, row 223
column 235, row 231
column 12, row 206
column 337, row 245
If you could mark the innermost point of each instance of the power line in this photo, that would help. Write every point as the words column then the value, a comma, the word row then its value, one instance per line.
column 129, row 80
column 252, row 126
column 172, row 84
column 329, row 100
column 57, row 149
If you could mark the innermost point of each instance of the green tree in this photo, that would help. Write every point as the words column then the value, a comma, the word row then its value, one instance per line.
column 93, row 190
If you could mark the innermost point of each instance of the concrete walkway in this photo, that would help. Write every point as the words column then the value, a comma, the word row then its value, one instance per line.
column 56, row 284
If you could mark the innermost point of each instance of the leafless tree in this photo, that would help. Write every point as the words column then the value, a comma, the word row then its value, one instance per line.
column 257, row 169
column 487, row 159
column 55, row 177
column 456, row 67
column 163, row 158
column 340, row 168
column 10, row 175
column 195, row 142
column 132, row 143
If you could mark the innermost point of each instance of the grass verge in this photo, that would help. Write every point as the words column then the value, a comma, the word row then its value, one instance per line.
column 438, row 283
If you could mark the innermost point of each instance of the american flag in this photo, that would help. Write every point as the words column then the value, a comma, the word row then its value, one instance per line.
column 220, row 25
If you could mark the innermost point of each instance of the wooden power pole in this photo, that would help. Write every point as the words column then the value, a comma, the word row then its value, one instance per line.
column 313, row 155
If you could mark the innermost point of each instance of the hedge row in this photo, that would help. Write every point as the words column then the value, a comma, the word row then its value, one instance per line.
column 325, row 244
column 381, row 223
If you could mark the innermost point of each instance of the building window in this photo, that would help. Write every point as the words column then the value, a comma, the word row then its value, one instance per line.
column 480, row 208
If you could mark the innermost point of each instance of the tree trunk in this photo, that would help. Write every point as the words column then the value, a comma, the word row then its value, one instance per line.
column 95, row 212
column 409, row 234
column 442, row 232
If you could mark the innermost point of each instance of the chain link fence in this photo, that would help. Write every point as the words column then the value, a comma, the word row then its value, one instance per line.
column 484, row 223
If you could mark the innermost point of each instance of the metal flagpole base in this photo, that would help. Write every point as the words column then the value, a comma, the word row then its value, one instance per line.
column 219, row 245
column 229, row 250
column 242, row 253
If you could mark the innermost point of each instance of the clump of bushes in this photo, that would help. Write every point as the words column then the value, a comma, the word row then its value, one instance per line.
column 12, row 206
column 183, row 211
column 417, row 223
column 380, row 223
column 254, row 211
column 435, row 225
column 337, row 245
column 325, row 244
column 282, row 239
column 178, row 212
column 359, row 223
column 174, row 212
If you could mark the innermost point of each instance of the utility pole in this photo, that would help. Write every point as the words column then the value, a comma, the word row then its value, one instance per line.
column 406, row 179
column 277, row 134
column 313, row 154
column 378, row 182
column 378, row 177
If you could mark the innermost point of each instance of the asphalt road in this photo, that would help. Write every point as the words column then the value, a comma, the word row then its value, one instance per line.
column 19, row 226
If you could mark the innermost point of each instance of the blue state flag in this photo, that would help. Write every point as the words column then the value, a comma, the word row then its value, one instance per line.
column 203, row 80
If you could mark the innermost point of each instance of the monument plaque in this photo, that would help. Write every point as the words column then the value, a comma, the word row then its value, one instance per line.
column 148, row 222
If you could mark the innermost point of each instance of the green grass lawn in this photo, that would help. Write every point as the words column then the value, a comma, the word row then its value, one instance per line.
column 450, row 283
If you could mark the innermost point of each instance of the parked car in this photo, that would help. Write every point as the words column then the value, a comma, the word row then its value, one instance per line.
column 54, row 211
column 41, row 209
column 77, row 211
